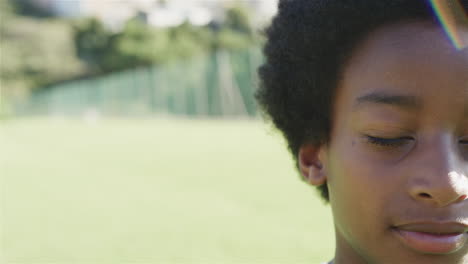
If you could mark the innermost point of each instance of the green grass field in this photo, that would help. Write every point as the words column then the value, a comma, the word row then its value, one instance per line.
column 155, row 191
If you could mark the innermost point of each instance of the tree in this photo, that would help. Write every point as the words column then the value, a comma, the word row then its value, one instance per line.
column 92, row 41
column 238, row 19
column 137, row 44
column 30, row 8
column 36, row 53
column 235, row 32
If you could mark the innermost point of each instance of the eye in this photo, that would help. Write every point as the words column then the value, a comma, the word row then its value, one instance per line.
column 389, row 142
column 463, row 147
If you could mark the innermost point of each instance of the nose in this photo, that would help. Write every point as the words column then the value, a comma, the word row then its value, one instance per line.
column 439, row 178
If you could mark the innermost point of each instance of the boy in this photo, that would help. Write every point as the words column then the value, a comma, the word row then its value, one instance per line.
column 372, row 98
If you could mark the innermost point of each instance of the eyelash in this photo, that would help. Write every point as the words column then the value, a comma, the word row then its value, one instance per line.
column 388, row 142
column 395, row 142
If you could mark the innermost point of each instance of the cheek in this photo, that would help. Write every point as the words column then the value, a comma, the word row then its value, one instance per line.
column 352, row 174
column 357, row 197
column 357, row 189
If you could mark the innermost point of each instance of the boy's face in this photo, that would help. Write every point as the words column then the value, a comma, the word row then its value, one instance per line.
column 397, row 162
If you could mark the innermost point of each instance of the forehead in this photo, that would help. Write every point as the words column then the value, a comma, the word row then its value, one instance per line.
column 414, row 58
column 416, row 43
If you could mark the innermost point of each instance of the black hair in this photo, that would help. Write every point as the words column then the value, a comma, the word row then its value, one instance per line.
column 307, row 45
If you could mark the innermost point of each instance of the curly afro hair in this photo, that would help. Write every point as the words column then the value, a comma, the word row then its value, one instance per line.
column 308, row 43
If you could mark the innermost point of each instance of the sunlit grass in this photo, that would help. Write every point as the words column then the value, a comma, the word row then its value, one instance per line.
column 155, row 191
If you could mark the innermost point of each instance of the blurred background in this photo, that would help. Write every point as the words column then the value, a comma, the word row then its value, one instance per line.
column 129, row 134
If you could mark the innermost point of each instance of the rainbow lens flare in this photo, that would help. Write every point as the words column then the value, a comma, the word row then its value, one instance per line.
column 453, row 18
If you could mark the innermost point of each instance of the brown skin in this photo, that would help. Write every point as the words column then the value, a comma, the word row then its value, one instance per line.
column 423, row 175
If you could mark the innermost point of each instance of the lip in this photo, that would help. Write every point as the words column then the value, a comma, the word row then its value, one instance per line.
column 432, row 238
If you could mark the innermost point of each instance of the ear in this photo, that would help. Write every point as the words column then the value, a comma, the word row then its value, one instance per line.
column 311, row 164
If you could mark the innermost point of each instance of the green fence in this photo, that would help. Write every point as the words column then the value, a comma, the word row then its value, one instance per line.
column 220, row 84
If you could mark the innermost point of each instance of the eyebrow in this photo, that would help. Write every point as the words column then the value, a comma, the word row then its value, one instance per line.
column 407, row 102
